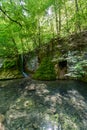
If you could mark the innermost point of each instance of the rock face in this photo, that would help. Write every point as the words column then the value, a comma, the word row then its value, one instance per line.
column 78, row 41
column 1, row 62
column 73, row 50
column 10, row 74
column 2, row 118
column 61, row 70
column 32, row 64
column 9, row 69
column 46, row 70
column 77, row 65
column 2, row 126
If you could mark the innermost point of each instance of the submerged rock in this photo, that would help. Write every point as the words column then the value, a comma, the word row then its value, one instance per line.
column 2, row 119
column 53, row 105
column 2, row 127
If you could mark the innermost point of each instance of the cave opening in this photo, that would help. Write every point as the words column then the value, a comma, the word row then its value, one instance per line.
column 62, row 64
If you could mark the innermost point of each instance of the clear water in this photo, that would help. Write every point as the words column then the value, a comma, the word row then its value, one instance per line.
column 37, row 105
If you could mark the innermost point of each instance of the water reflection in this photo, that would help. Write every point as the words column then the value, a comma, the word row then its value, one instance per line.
column 50, row 123
column 51, row 127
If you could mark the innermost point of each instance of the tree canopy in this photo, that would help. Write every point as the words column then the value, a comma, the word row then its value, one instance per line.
column 25, row 25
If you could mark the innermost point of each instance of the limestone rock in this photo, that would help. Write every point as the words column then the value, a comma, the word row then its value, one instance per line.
column 2, row 118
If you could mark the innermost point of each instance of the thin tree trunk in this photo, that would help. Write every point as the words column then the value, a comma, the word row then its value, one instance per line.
column 39, row 33
column 16, row 49
column 56, row 16
column 77, row 16
column 66, row 17
column 53, row 36
column 22, row 57
column 59, row 19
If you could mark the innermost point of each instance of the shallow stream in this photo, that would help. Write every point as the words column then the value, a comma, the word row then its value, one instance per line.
column 43, row 105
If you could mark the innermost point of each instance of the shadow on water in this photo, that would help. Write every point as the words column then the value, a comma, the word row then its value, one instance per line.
column 44, row 105
column 66, row 103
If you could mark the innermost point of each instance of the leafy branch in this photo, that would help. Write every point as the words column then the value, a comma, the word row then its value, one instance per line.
column 15, row 21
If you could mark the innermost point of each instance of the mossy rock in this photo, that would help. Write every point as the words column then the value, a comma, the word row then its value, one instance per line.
column 10, row 74
column 46, row 70
column 84, row 79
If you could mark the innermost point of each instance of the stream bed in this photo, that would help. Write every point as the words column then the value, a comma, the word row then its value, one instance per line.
column 27, row 104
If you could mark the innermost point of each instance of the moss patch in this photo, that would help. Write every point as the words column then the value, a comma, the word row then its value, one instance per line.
column 45, row 71
column 10, row 74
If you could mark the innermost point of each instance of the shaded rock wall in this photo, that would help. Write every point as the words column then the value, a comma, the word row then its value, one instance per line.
column 61, row 70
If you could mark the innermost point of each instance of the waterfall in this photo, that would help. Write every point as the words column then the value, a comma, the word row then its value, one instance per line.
column 24, row 74
column 22, row 68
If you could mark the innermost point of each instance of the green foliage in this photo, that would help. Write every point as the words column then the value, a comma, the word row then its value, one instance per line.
column 30, row 26
column 81, row 68
column 9, row 63
column 78, row 66
column 45, row 71
column 26, row 25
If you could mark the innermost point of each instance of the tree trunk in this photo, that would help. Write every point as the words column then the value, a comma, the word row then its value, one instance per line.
column 59, row 19
column 39, row 33
column 56, row 16
column 66, row 17
column 78, row 28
